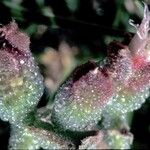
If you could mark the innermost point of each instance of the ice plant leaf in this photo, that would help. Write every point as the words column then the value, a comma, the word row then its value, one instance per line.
column 110, row 139
column 33, row 138
column 79, row 101
column 132, row 93
column 118, row 63
column 120, row 85
column 21, row 84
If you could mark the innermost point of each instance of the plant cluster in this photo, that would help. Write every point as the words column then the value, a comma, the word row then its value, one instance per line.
column 96, row 97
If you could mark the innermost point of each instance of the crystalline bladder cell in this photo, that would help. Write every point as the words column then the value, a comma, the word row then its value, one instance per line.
column 20, row 81
column 78, row 104
column 31, row 138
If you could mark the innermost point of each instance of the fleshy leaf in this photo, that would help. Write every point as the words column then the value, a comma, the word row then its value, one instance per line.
column 131, row 69
column 21, row 84
column 79, row 102
column 132, row 95
column 119, row 65
column 33, row 138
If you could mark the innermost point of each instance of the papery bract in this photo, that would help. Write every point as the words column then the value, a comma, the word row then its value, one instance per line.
column 94, row 142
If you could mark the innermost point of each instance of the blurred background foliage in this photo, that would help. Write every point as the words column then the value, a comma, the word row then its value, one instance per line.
column 67, row 33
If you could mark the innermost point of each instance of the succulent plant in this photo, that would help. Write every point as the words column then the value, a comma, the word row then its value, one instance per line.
column 28, row 137
column 118, row 85
column 79, row 102
column 108, row 89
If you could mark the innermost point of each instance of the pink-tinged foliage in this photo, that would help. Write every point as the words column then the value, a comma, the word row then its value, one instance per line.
column 20, row 82
column 80, row 101
column 120, row 85
column 118, row 63
column 15, row 38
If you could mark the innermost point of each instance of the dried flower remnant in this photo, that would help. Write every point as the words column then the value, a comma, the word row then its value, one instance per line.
column 138, row 43
column 20, row 81
column 33, row 138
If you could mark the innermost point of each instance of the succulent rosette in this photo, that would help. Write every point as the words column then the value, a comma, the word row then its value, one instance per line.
column 20, row 81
